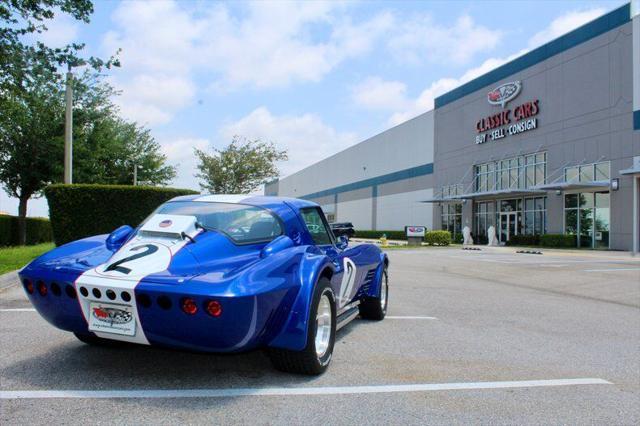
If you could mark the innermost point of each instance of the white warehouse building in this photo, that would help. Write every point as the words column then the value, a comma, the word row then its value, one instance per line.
column 548, row 143
column 375, row 183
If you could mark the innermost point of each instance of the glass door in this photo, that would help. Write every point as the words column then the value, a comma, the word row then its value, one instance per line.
column 508, row 226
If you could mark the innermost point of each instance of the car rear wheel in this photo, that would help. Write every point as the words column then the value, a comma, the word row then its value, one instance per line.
column 375, row 308
column 321, row 334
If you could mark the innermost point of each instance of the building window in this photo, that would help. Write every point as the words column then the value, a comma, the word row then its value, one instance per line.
column 485, row 216
column 452, row 219
column 586, row 215
column 452, row 190
column 588, row 172
column 524, row 171
column 535, row 216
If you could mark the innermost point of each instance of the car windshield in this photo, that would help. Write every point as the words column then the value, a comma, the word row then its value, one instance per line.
column 240, row 222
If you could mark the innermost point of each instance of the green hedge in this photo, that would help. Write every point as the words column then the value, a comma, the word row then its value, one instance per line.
column 558, row 240
column 38, row 230
column 438, row 238
column 391, row 235
column 79, row 211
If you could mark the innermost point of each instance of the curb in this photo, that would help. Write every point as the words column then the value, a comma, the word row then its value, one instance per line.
column 8, row 280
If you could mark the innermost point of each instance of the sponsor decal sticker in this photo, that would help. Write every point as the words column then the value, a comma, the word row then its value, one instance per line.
column 112, row 315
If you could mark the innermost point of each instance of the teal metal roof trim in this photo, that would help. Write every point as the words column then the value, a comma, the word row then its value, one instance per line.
column 601, row 25
column 425, row 169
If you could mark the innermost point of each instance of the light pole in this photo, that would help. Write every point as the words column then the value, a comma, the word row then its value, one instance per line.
column 135, row 174
column 68, row 130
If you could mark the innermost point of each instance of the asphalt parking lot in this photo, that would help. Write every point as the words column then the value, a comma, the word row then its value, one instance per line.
column 471, row 337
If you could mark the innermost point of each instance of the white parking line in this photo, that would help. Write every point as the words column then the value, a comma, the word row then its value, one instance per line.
column 285, row 391
column 18, row 310
column 612, row 270
column 409, row 318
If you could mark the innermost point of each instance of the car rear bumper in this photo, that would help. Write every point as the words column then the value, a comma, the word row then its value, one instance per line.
column 246, row 320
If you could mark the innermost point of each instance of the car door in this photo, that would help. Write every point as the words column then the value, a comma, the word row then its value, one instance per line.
column 350, row 263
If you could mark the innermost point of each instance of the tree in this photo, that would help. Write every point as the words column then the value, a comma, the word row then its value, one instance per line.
column 240, row 167
column 30, row 97
column 18, row 54
column 107, row 147
column 31, row 129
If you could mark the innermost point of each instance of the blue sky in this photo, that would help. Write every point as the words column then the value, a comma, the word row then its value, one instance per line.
column 312, row 77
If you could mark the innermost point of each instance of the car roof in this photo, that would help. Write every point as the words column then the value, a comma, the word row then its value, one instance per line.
column 265, row 201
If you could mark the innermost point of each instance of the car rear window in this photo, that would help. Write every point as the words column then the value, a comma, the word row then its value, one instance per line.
column 241, row 223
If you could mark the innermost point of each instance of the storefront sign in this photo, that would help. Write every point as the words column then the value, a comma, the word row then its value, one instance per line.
column 508, row 122
column 415, row 231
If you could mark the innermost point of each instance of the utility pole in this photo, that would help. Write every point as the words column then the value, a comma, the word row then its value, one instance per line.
column 68, row 130
column 135, row 174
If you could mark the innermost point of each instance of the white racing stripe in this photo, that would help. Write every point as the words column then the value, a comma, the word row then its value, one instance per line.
column 286, row 391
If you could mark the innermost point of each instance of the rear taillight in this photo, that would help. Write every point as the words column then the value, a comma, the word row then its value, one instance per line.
column 189, row 306
column 28, row 285
column 42, row 288
column 214, row 308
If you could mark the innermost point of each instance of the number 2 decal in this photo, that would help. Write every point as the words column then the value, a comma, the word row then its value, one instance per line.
column 348, row 280
column 116, row 266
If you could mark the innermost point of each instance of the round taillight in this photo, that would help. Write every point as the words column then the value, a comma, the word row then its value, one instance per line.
column 189, row 306
column 28, row 285
column 42, row 288
column 214, row 308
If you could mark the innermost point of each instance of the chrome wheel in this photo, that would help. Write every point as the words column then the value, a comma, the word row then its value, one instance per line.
column 383, row 294
column 323, row 326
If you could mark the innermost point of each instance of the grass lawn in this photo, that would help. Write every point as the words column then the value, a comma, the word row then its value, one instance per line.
column 12, row 258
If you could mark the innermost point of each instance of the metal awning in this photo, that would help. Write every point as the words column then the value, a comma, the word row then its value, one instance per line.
column 571, row 186
column 511, row 192
column 631, row 171
column 441, row 200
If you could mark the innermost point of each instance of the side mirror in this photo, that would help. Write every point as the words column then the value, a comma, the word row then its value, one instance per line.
column 343, row 242
column 281, row 243
column 117, row 238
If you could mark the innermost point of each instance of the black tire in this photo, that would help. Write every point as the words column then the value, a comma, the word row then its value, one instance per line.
column 372, row 308
column 307, row 361
column 93, row 340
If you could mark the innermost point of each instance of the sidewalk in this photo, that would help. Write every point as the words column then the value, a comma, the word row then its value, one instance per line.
column 8, row 279
column 612, row 254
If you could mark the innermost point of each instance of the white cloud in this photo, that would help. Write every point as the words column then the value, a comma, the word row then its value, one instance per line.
column 306, row 137
column 563, row 24
column 559, row 26
column 423, row 38
column 377, row 94
column 267, row 45
column 61, row 30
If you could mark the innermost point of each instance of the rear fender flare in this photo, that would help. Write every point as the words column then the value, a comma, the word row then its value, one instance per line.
column 293, row 335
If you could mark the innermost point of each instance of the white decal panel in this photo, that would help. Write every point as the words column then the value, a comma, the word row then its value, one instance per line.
column 348, row 281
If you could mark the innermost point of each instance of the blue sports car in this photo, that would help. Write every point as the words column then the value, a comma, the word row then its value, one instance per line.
column 215, row 273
